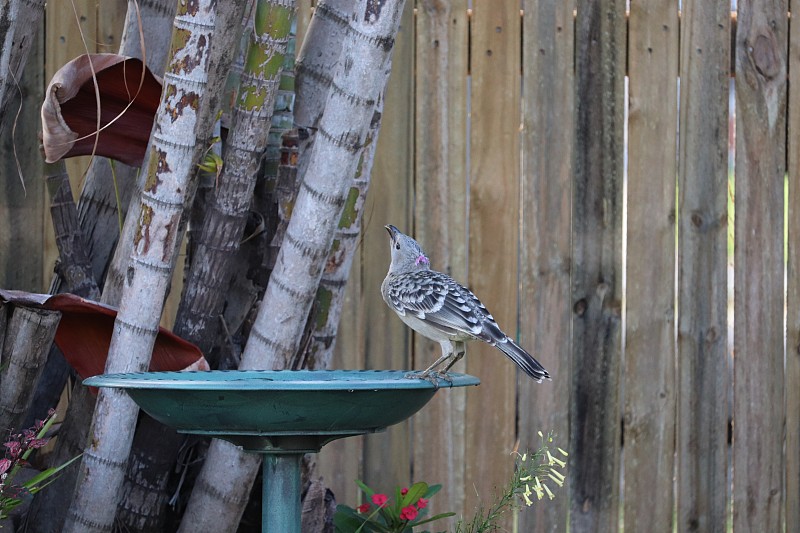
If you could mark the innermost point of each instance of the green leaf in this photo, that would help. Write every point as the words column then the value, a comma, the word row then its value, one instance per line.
column 368, row 491
column 31, row 484
column 431, row 519
column 432, row 489
column 415, row 492
column 345, row 523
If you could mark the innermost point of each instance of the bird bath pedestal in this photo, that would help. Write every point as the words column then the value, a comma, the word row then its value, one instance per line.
column 280, row 414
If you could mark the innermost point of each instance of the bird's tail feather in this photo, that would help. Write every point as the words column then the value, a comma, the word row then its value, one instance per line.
column 523, row 359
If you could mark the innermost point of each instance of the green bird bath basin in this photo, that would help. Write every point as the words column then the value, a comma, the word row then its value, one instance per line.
column 280, row 414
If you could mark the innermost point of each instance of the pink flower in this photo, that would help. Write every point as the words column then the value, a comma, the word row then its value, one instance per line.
column 408, row 513
column 404, row 491
column 422, row 503
column 5, row 464
column 363, row 508
column 380, row 499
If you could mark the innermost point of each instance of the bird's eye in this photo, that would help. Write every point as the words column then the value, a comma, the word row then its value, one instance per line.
column 397, row 246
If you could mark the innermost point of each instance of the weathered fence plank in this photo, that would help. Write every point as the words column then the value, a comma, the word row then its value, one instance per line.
column 548, row 114
column 792, row 376
column 703, row 361
column 597, row 265
column 441, row 226
column 23, row 199
column 110, row 25
column 493, row 240
column 649, row 376
column 758, row 402
column 386, row 455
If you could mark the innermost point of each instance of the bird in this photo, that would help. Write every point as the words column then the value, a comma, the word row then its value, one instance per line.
column 438, row 307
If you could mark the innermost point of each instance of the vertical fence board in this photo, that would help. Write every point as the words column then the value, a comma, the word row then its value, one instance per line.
column 441, row 225
column 649, row 376
column 793, row 289
column 597, row 265
column 545, row 254
column 22, row 210
column 702, row 418
column 761, row 42
column 493, row 221
column 386, row 455
column 110, row 24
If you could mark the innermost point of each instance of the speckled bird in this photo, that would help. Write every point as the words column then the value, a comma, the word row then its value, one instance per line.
column 438, row 307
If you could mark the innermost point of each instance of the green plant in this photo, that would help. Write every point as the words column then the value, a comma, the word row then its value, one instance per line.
column 532, row 473
column 18, row 449
column 384, row 514
column 529, row 484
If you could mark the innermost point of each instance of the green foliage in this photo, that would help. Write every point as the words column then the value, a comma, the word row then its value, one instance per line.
column 18, row 449
column 533, row 473
column 400, row 514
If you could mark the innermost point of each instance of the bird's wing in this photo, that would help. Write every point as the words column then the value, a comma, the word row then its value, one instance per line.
column 440, row 300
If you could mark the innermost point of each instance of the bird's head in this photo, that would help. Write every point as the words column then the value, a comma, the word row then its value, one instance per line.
column 407, row 254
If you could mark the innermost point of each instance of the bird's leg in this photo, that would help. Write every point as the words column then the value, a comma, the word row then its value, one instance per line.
column 429, row 374
column 447, row 352
column 460, row 350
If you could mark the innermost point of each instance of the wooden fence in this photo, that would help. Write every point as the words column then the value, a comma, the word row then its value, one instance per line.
column 596, row 226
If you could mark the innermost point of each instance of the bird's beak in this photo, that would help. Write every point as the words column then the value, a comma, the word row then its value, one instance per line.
column 393, row 232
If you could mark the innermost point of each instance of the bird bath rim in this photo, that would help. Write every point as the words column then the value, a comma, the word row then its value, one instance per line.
column 279, row 411
column 277, row 380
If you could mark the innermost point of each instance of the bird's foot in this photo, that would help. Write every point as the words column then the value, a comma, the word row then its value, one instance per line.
column 431, row 376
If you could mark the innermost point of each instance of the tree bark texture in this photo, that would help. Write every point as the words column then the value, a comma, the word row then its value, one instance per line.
column 316, row 64
column 168, row 188
column 357, row 84
column 28, row 336
column 74, row 265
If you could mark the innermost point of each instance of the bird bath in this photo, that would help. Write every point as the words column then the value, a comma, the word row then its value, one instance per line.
column 280, row 414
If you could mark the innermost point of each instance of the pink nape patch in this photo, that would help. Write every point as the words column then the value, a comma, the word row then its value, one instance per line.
column 422, row 259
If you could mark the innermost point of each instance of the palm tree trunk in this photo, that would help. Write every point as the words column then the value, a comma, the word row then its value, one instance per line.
column 316, row 64
column 206, row 289
column 171, row 164
column 358, row 82
column 28, row 335
column 331, row 291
